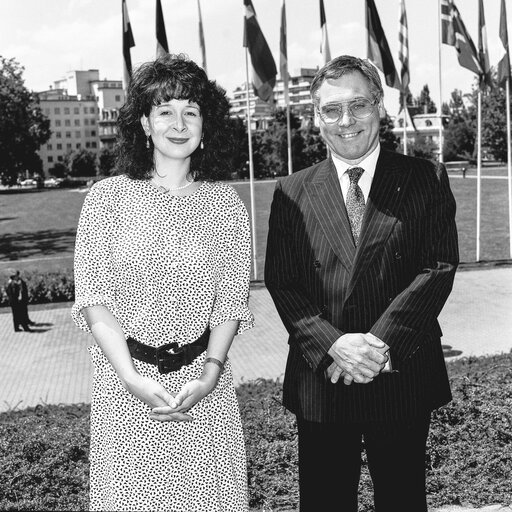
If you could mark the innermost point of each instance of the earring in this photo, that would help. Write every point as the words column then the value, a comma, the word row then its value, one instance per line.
column 202, row 144
column 147, row 142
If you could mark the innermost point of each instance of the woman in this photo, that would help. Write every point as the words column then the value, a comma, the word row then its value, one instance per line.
column 162, row 259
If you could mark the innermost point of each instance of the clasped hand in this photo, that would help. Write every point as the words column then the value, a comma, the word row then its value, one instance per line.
column 357, row 358
column 166, row 406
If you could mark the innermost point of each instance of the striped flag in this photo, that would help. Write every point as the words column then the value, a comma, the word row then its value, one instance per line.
column 457, row 35
column 504, row 63
column 201, row 37
column 403, row 48
column 128, row 42
column 264, row 70
column 283, row 61
column 483, row 52
column 161, row 38
column 378, row 48
column 324, row 46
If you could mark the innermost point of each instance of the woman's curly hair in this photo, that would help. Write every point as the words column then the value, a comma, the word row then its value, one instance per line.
column 159, row 81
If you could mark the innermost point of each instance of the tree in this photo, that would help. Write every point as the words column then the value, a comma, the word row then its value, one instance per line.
column 388, row 139
column 107, row 160
column 59, row 170
column 23, row 127
column 82, row 163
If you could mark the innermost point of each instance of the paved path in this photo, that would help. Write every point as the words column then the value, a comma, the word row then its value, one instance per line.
column 51, row 365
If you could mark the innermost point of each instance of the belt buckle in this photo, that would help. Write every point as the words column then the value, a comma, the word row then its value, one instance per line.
column 169, row 357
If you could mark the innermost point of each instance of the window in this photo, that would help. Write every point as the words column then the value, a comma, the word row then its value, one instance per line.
column 68, row 135
column 59, row 158
column 76, row 110
column 77, row 134
column 78, row 145
column 69, row 146
column 50, row 159
column 66, row 110
column 77, row 122
column 56, row 110
column 58, row 135
column 93, row 144
column 67, row 122
column 87, row 144
column 93, row 122
column 93, row 133
column 49, row 147
column 118, row 97
column 428, row 122
column 57, row 122
column 86, row 122
column 85, row 110
column 59, row 146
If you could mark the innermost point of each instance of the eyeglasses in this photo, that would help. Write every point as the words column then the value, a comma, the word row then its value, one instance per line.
column 360, row 109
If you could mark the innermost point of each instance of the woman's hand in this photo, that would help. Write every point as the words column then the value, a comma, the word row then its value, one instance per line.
column 190, row 394
column 154, row 394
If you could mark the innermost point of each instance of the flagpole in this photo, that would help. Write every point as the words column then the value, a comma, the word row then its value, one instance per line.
column 289, row 138
column 478, row 173
column 509, row 165
column 441, row 141
column 251, row 169
column 404, row 106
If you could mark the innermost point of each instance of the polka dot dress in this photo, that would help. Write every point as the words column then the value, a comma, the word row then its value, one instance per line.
column 166, row 267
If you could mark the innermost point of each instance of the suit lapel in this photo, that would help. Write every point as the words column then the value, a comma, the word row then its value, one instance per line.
column 381, row 212
column 326, row 200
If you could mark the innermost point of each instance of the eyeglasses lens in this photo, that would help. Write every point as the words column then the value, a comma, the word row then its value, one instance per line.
column 359, row 109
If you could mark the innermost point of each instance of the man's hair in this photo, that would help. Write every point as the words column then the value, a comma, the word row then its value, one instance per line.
column 344, row 65
column 159, row 81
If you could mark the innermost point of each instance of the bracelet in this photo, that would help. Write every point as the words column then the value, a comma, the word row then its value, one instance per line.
column 213, row 360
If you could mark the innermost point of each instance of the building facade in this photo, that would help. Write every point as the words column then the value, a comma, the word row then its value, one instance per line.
column 262, row 113
column 82, row 110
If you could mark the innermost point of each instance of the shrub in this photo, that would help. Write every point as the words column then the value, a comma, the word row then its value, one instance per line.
column 44, row 464
column 46, row 287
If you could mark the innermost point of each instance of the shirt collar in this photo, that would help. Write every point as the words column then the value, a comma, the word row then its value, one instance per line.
column 369, row 163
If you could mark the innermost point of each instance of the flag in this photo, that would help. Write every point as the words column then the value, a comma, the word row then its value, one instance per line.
column 283, row 61
column 324, row 47
column 447, row 35
column 460, row 38
column 483, row 52
column 378, row 48
column 264, row 70
column 201, row 37
column 161, row 38
column 403, row 48
column 504, row 63
column 128, row 42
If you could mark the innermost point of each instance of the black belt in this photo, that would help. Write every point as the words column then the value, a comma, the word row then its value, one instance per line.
column 170, row 357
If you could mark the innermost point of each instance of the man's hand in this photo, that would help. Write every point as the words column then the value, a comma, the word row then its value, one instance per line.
column 358, row 356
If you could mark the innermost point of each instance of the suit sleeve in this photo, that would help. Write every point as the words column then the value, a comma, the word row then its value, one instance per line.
column 300, row 315
column 413, row 312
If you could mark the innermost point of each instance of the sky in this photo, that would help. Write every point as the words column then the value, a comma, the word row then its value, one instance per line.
column 51, row 37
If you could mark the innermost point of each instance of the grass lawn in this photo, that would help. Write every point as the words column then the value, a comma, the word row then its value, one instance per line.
column 40, row 225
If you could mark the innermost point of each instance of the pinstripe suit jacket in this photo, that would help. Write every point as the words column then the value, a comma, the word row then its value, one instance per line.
column 393, row 285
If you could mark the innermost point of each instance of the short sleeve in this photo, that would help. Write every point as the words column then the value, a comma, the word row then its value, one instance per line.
column 232, row 297
column 92, row 260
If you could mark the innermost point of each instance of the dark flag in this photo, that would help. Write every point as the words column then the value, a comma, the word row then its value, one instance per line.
column 161, row 37
column 264, row 70
column 324, row 47
column 378, row 48
column 403, row 48
column 504, row 63
column 201, row 37
column 483, row 52
column 454, row 33
column 128, row 42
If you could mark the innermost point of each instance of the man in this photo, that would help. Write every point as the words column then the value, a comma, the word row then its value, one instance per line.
column 17, row 292
column 361, row 256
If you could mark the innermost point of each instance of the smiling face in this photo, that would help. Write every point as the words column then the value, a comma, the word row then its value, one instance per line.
column 350, row 139
column 175, row 127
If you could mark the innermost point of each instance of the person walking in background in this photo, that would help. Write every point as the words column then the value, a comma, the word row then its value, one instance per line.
column 361, row 255
column 162, row 268
column 17, row 292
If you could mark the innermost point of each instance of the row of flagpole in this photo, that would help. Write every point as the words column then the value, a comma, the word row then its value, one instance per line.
column 452, row 31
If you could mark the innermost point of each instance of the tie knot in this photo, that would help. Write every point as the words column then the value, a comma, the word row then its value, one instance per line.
column 354, row 174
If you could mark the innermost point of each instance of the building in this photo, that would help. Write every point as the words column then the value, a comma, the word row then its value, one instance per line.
column 261, row 112
column 82, row 110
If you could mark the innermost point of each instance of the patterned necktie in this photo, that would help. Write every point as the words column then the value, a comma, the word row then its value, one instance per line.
column 355, row 202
